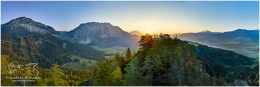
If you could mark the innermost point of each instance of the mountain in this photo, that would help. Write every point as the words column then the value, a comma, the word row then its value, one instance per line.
column 26, row 27
column 24, row 57
column 239, row 35
column 101, row 34
column 43, row 52
column 136, row 32
column 241, row 40
column 194, row 36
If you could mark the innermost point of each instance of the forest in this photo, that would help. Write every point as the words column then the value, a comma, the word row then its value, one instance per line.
column 160, row 61
column 227, row 63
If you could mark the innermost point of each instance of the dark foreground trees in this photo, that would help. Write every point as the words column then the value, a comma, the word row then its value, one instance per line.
column 161, row 60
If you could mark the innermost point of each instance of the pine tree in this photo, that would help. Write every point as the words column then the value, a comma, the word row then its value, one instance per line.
column 118, row 56
column 103, row 74
column 221, row 81
column 117, row 77
column 56, row 74
column 133, row 76
column 128, row 53
column 84, row 65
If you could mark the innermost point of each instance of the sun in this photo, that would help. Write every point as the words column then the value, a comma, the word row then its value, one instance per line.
column 148, row 32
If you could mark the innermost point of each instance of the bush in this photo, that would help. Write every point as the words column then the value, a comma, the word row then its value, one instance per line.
column 76, row 60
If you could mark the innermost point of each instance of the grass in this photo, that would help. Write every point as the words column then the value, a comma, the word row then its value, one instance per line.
column 111, row 50
column 253, row 55
column 78, row 65
column 195, row 44
column 108, row 57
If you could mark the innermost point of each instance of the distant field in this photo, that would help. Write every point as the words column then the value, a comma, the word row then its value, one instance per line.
column 113, row 50
column 79, row 65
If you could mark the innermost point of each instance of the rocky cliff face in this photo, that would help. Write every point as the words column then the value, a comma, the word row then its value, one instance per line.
column 103, row 34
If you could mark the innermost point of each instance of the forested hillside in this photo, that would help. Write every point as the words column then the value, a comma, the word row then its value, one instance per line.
column 161, row 61
column 26, row 27
column 46, row 58
column 232, row 66
column 35, row 50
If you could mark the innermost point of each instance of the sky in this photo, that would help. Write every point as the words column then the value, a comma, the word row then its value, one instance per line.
column 157, row 17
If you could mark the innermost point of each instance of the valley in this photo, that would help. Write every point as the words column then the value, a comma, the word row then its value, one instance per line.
column 111, row 51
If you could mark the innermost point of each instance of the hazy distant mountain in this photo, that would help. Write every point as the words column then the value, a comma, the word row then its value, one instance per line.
column 102, row 34
column 239, row 35
column 195, row 36
column 136, row 32
column 241, row 41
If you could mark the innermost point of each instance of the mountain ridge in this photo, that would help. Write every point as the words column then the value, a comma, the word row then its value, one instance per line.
column 10, row 28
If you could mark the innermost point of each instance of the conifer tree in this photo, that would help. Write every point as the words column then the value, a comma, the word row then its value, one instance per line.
column 128, row 53
column 133, row 76
column 118, row 56
column 103, row 74
column 55, row 76
column 221, row 81
column 117, row 77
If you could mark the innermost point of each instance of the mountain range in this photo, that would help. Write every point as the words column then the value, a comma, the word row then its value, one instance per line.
column 242, row 41
column 194, row 36
column 26, row 27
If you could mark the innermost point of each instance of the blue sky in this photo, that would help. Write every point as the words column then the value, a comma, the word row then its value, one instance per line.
column 158, row 16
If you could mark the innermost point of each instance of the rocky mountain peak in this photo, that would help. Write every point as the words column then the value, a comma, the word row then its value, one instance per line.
column 26, row 26
column 21, row 20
